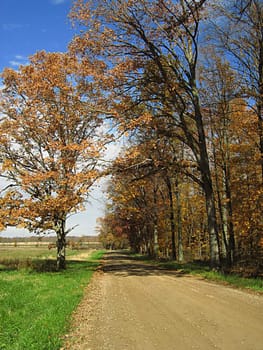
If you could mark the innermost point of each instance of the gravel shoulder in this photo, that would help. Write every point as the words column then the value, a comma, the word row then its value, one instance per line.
column 133, row 306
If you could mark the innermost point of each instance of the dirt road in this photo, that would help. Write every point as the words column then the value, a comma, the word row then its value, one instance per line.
column 132, row 306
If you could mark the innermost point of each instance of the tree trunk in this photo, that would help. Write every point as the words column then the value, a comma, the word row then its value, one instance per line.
column 221, row 207
column 179, row 222
column 231, row 235
column 61, row 244
column 172, row 219
column 222, row 213
column 155, row 224
column 207, row 187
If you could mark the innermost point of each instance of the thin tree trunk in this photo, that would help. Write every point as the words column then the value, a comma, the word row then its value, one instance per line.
column 231, row 235
column 223, row 217
column 172, row 219
column 221, row 208
column 155, row 222
column 179, row 221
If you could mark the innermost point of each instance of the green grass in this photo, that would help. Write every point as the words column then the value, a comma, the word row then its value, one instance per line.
column 35, row 308
column 206, row 272
column 209, row 274
column 255, row 284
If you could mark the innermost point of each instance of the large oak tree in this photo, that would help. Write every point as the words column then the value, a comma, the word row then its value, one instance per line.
column 51, row 140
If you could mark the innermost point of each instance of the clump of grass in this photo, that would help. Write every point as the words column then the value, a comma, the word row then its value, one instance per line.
column 36, row 307
column 255, row 284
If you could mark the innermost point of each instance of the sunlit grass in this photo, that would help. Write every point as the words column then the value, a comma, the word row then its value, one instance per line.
column 255, row 284
column 210, row 274
column 35, row 308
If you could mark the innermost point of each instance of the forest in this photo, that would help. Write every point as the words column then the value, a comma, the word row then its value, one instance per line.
column 181, row 82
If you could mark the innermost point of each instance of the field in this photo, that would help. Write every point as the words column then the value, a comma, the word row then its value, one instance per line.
column 35, row 303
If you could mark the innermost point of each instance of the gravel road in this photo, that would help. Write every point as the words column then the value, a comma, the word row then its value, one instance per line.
column 132, row 306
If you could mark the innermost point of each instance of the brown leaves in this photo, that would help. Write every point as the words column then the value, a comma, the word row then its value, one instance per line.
column 51, row 137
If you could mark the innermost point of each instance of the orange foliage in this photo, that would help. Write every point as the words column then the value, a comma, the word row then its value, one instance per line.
column 51, row 139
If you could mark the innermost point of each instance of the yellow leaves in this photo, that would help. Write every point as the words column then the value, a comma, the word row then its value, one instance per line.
column 53, row 131
column 122, row 68
column 36, row 178
column 7, row 164
column 80, row 11
column 142, row 121
column 9, row 76
column 9, row 207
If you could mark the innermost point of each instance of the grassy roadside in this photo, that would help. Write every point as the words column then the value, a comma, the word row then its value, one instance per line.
column 255, row 284
column 35, row 308
column 206, row 272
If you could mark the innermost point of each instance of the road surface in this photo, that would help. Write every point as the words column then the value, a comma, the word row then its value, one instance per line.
column 133, row 306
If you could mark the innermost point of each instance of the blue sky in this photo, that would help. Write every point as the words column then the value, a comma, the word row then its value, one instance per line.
column 27, row 26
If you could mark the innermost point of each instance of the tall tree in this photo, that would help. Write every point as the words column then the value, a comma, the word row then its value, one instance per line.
column 220, row 89
column 242, row 37
column 154, row 45
column 51, row 139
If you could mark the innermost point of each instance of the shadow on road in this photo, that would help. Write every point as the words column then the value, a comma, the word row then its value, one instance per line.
column 124, row 264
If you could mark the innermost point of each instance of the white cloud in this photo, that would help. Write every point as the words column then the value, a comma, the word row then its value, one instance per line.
column 15, row 63
column 20, row 57
column 18, row 60
column 12, row 26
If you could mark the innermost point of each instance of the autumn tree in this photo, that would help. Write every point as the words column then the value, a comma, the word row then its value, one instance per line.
column 154, row 44
column 219, row 91
column 232, row 131
column 239, row 33
column 51, row 140
column 112, row 231
column 133, row 194
column 245, row 183
column 156, row 79
column 151, row 170
column 158, row 206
